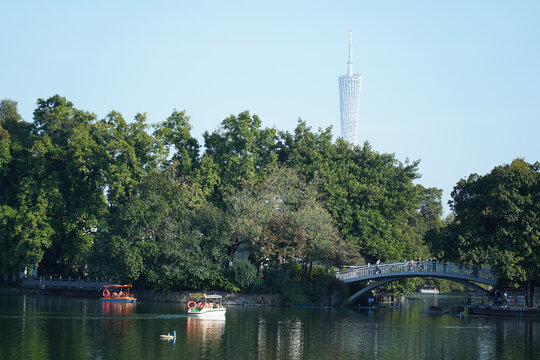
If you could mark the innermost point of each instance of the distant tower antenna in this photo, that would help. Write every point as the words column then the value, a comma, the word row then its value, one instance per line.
column 349, row 62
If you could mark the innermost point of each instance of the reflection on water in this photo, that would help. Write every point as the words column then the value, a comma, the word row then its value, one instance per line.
column 115, row 312
column 33, row 327
column 280, row 339
column 117, row 308
column 204, row 331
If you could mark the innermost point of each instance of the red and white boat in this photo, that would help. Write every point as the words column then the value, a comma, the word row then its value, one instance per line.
column 117, row 293
column 206, row 306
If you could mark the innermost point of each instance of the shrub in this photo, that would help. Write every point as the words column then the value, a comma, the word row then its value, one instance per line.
column 291, row 294
column 317, row 287
column 260, row 286
column 274, row 279
column 321, row 286
column 224, row 283
column 244, row 273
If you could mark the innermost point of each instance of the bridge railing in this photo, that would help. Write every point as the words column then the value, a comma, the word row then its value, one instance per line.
column 443, row 268
column 66, row 283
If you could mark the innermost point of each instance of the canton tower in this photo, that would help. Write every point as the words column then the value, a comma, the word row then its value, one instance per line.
column 349, row 99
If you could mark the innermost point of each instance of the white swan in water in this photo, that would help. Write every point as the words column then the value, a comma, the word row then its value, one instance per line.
column 168, row 336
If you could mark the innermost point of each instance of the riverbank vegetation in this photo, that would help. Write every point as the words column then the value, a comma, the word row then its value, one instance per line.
column 495, row 222
column 251, row 209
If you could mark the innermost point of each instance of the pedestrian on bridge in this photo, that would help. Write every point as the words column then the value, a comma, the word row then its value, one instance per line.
column 377, row 270
column 410, row 265
column 434, row 262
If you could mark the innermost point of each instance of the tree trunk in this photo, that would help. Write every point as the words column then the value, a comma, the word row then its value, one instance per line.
column 304, row 270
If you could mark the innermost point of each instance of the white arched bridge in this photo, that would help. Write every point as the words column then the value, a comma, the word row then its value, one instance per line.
column 389, row 272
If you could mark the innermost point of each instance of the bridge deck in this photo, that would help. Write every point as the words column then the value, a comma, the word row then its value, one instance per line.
column 429, row 269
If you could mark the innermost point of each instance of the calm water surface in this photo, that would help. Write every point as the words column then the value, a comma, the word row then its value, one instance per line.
column 38, row 327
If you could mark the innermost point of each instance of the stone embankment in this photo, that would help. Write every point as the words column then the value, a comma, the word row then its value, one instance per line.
column 228, row 299
column 173, row 297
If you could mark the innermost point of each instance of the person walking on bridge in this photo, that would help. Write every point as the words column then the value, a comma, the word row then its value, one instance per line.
column 377, row 270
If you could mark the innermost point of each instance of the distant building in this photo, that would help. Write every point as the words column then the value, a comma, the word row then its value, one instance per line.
column 349, row 99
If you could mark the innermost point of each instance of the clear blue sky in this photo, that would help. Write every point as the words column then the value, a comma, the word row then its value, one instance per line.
column 455, row 84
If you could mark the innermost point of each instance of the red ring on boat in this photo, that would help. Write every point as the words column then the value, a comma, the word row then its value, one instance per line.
column 106, row 293
column 189, row 305
column 201, row 305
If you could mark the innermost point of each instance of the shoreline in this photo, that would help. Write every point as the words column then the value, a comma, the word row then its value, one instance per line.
column 151, row 296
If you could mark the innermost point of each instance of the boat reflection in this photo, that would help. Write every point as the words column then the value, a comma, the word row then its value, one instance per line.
column 113, row 316
column 205, row 330
column 117, row 308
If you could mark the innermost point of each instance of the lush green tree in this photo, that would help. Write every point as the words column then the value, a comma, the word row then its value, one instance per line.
column 282, row 221
column 175, row 134
column 151, row 208
column 5, row 155
column 248, row 215
column 281, row 240
column 128, row 153
column 206, row 176
column 244, row 273
column 160, row 239
column 11, row 123
column 441, row 242
column 370, row 196
column 203, row 172
column 65, row 165
column 14, row 137
column 241, row 150
column 426, row 219
column 25, row 230
column 321, row 238
column 497, row 221
column 8, row 111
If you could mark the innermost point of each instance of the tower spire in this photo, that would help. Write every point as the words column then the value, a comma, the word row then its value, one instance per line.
column 349, row 62
column 349, row 99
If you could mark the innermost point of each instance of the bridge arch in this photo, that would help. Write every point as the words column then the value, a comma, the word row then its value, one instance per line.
column 389, row 272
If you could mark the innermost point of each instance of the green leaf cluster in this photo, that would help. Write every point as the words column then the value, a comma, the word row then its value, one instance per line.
column 109, row 197
column 496, row 222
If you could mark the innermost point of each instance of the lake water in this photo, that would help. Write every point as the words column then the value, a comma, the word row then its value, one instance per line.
column 39, row 327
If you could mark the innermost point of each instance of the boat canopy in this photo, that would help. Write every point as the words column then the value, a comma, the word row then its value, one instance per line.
column 117, row 286
column 213, row 296
column 201, row 296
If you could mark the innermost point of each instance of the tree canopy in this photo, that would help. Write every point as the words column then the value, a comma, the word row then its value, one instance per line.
column 81, row 195
column 496, row 221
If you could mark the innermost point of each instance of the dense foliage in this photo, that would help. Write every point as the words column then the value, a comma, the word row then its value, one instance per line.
column 81, row 195
column 496, row 222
